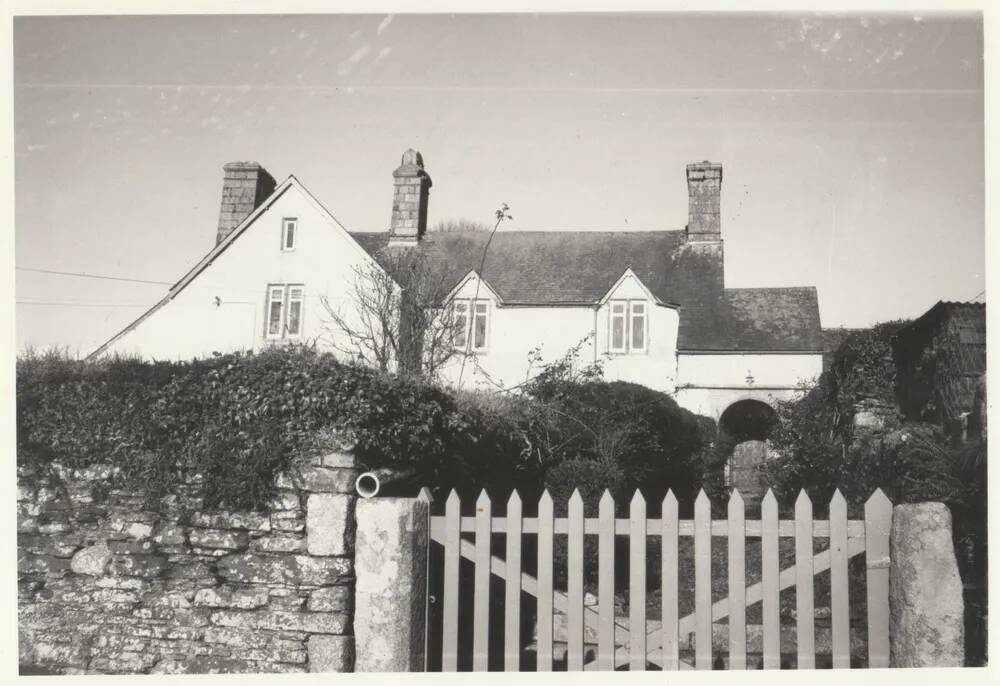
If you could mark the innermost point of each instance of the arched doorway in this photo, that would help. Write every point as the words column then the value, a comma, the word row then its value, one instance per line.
column 744, row 428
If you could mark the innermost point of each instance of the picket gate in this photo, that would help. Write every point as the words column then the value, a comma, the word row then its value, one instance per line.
column 628, row 641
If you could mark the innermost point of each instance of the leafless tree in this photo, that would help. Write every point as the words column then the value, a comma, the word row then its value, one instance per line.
column 397, row 318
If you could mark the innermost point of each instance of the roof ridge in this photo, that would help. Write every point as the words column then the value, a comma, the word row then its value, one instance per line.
column 519, row 231
column 771, row 288
column 951, row 303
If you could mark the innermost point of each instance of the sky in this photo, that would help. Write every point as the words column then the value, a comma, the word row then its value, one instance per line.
column 852, row 145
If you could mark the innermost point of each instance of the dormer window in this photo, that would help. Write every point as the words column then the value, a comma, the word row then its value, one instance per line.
column 289, row 233
column 627, row 323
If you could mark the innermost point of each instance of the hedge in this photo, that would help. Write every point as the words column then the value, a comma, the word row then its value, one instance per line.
column 241, row 419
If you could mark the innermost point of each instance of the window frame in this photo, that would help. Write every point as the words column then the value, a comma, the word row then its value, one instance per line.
column 623, row 316
column 631, row 324
column 471, row 315
column 624, row 309
column 284, row 302
column 460, row 309
column 301, row 300
column 285, row 223
column 270, row 301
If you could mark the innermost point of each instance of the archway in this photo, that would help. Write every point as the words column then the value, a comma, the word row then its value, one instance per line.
column 744, row 428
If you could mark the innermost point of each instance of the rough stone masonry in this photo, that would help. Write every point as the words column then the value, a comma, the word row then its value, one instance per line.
column 109, row 584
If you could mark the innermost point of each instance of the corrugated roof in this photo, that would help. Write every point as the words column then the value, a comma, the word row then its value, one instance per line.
column 579, row 267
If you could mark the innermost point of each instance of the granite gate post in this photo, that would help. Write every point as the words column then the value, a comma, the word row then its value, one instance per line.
column 390, row 602
column 926, row 626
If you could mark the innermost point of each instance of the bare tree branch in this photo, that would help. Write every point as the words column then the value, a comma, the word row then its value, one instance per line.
column 400, row 320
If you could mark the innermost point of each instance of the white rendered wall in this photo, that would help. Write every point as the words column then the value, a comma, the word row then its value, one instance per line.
column 324, row 261
column 709, row 383
column 514, row 331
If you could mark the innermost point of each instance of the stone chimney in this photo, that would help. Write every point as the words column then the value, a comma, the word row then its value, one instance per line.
column 704, row 188
column 411, row 189
column 244, row 187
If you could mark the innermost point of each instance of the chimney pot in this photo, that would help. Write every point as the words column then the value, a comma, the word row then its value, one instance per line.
column 245, row 185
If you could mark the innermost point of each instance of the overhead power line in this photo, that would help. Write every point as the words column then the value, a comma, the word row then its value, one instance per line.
column 103, row 277
column 78, row 304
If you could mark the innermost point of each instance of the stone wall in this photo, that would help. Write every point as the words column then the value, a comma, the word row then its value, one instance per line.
column 111, row 583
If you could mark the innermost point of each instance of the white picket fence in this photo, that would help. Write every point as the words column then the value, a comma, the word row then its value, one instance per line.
column 629, row 642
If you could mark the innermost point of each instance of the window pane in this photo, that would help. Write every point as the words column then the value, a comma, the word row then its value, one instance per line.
column 639, row 332
column 481, row 308
column 274, row 318
column 294, row 317
column 638, row 308
column 618, row 308
column 617, row 333
column 290, row 235
column 461, row 325
column 480, row 340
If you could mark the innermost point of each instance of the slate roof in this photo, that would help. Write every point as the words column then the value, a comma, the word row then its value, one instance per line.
column 579, row 267
column 770, row 318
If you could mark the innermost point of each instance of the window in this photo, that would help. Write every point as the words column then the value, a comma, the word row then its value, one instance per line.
column 461, row 324
column 479, row 326
column 294, row 327
column 617, row 327
column 471, row 325
column 289, row 233
column 284, row 310
column 275, row 301
column 638, row 325
column 628, row 330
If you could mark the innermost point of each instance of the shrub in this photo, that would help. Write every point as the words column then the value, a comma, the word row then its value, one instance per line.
column 653, row 443
column 912, row 463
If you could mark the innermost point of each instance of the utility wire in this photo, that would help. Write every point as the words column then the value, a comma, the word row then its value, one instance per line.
column 982, row 292
column 78, row 304
column 92, row 276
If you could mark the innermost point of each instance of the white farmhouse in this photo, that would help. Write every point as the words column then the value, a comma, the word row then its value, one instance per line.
column 652, row 304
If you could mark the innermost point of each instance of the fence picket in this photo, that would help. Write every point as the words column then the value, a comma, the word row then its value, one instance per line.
column 481, row 598
column 839, row 601
column 425, row 496
column 452, row 541
column 769, row 581
column 737, row 582
column 668, row 581
column 574, row 584
column 512, row 598
column 545, row 595
column 805, row 614
column 878, row 522
column 606, row 583
column 637, row 583
column 703, row 581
